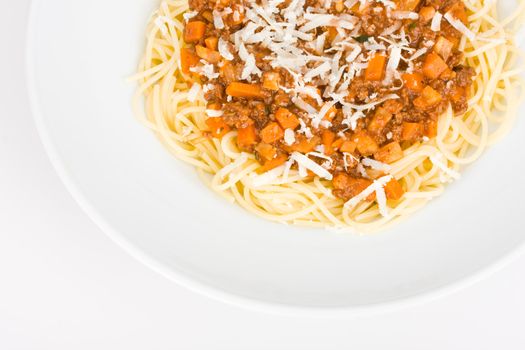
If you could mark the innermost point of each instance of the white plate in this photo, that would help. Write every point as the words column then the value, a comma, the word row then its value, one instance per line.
column 79, row 54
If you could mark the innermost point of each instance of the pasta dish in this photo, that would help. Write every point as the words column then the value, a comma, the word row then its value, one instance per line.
column 349, row 114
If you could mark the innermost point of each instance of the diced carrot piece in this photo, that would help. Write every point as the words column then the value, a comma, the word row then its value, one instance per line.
column 351, row 186
column 332, row 33
column 194, row 31
column 272, row 133
column 443, row 47
column 392, row 106
column 348, row 146
column 304, row 145
column 429, row 98
column 393, row 190
column 339, row 6
column 237, row 89
column 458, row 11
column 274, row 163
column 411, row 131
column 413, row 81
column 207, row 54
column 426, row 14
column 214, row 106
column 408, row 5
column 287, row 119
column 208, row 15
column 218, row 128
column 228, row 73
column 448, row 74
column 266, row 151
column 360, row 7
column 375, row 68
column 246, row 136
column 457, row 94
column 434, row 66
column 379, row 121
column 420, row 103
column 188, row 59
column 431, row 128
column 389, row 153
column 365, row 143
column 328, row 138
column 271, row 80
column 211, row 42
column 432, row 96
column 338, row 143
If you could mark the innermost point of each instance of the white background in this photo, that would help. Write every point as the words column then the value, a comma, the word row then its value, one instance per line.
column 65, row 285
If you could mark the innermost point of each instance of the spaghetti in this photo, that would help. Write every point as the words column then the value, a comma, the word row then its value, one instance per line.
column 174, row 107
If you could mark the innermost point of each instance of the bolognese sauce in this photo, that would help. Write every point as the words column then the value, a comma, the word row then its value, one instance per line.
column 338, row 89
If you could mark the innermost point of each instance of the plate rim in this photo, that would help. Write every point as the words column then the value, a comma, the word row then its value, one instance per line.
column 204, row 289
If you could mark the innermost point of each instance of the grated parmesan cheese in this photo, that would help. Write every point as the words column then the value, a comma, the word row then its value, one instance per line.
column 329, row 161
column 405, row 15
column 224, row 50
column 436, row 22
column 306, row 163
column 377, row 186
column 249, row 64
column 217, row 20
column 376, row 165
column 189, row 15
column 193, row 92
column 289, row 137
column 353, row 159
column 212, row 113
column 456, row 23
column 208, row 70
column 437, row 162
column 267, row 178
column 381, row 201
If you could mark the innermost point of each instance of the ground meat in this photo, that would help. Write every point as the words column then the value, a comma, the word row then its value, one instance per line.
column 237, row 114
column 281, row 99
column 216, row 94
column 376, row 21
column 361, row 89
column 393, row 106
column 259, row 113
column 346, row 186
column 464, row 76
column 455, row 59
column 197, row 5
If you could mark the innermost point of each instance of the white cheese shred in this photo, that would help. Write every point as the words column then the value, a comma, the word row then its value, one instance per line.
column 194, row 92
column 376, row 165
column 289, row 137
column 224, row 50
column 305, row 162
column 377, row 186
column 212, row 113
column 405, row 15
column 269, row 177
column 441, row 165
column 217, row 20
column 456, row 23
column 436, row 22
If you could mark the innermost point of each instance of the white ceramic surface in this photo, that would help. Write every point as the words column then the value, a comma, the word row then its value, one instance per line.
column 79, row 54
